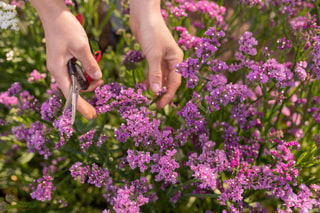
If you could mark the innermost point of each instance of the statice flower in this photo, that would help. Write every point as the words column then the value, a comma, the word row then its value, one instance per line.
column 215, row 81
column 212, row 9
column 101, row 140
column 8, row 17
column 316, row 58
column 290, row 8
column 36, row 140
column 14, row 89
column 188, row 70
column 86, row 140
column 233, row 191
column 209, row 43
column 139, row 127
column 132, row 58
column 256, row 73
column 229, row 93
column 36, row 76
column 131, row 196
column 194, row 120
column 175, row 198
column 138, row 160
column 247, row 43
column 77, row 170
column 284, row 44
column 165, row 166
column 186, row 40
column 18, row 4
column 240, row 114
column 64, row 125
column 43, row 187
column 280, row 73
column 113, row 96
column 69, row 2
column 164, row 14
column 34, row 137
column 252, row 3
column 299, row 22
column 206, row 175
column 50, row 108
column 93, row 175
column 28, row 103
column 300, row 70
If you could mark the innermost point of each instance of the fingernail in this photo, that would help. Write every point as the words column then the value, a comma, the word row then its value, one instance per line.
column 155, row 87
column 96, row 75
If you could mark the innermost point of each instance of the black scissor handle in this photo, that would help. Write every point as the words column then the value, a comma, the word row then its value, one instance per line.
column 76, row 70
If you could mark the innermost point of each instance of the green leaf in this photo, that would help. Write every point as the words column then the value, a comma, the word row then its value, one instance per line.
column 201, row 195
column 26, row 157
column 301, row 157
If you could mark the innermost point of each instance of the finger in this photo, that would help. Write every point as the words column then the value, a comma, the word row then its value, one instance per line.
column 86, row 109
column 88, row 62
column 174, row 81
column 93, row 85
column 62, row 78
column 172, row 78
column 154, row 73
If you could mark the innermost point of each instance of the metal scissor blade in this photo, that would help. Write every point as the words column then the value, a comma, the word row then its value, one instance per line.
column 74, row 106
column 68, row 101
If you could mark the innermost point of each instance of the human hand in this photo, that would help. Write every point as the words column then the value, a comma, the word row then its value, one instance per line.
column 65, row 39
column 159, row 47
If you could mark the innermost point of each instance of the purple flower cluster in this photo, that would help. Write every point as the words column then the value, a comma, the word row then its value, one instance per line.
column 8, row 100
column 291, row 7
column 132, row 57
column 34, row 137
column 186, row 40
column 64, row 125
column 113, row 96
column 247, row 43
column 251, row 3
column 43, row 187
column 225, row 94
column 127, row 198
column 132, row 195
column 207, row 47
column 165, row 166
column 90, row 174
column 14, row 89
column 194, row 121
column 284, row 44
column 316, row 57
column 138, row 160
column 184, row 7
column 51, row 108
column 300, row 70
column 86, row 140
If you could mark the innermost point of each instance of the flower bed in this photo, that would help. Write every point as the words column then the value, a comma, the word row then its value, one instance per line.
column 241, row 135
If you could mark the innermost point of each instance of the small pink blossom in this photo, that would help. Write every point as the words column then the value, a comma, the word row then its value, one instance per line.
column 36, row 76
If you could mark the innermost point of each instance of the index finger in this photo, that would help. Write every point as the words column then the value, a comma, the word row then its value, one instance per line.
column 60, row 73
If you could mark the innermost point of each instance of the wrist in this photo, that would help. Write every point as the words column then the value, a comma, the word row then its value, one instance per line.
column 140, row 9
column 49, row 10
column 144, row 12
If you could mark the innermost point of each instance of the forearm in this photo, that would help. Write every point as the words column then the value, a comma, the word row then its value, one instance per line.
column 142, row 7
column 49, row 10
column 144, row 13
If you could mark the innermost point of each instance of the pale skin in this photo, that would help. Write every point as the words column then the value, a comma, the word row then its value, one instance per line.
column 66, row 38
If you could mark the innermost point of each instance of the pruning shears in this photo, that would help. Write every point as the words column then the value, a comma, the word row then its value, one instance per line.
column 80, row 80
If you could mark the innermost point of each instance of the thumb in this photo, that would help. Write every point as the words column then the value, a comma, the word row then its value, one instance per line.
column 90, row 65
column 155, row 74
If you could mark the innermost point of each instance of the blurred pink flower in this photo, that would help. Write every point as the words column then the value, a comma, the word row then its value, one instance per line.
column 69, row 2
column 36, row 76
